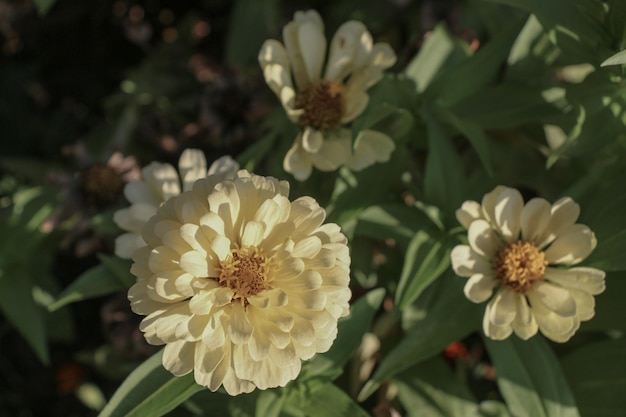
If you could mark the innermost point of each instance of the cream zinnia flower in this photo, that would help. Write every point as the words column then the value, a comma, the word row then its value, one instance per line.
column 239, row 283
column 322, row 105
column 158, row 183
column 526, row 250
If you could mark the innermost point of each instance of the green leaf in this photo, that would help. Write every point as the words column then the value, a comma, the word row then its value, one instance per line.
column 617, row 59
column 19, row 307
column 427, row 257
column 392, row 220
column 477, row 71
column 477, row 137
column 438, row 51
column 150, row 390
column 269, row 404
column 530, row 378
column 250, row 25
column 430, row 389
column 444, row 179
column 94, row 282
column 617, row 18
column 43, row 6
column 350, row 331
column 446, row 318
column 510, row 105
column 330, row 401
column 596, row 376
column 120, row 268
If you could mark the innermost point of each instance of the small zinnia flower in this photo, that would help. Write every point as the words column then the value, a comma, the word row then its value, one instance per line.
column 527, row 250
column 240, row 283
column 322, row 104
column 158, row 183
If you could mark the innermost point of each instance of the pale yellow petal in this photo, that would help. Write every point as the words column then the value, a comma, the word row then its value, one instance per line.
column 590, row 280
column 483, row 239
column 573, row 246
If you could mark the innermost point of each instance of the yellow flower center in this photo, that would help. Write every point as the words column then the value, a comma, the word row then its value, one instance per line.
column 323, row 104
column 245, row 271
column 519, row 264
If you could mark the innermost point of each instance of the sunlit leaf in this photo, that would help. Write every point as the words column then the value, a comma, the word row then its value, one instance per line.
column 150, row 390
column 449, row 317
column 617, row 59
column 95, row 282
column 427, row 257
column 530, row 378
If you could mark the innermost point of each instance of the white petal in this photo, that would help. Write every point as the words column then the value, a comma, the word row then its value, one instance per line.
column 483, row 239
column 162, row 179
column 488, row 203
column 590, row 280
column 224, row 167
column 491, row 330
column 524, row 325
column 297, row 161
column 342, row 50
column 138, row 192
column 196, row 264
column 503, row 307
column 252, row 234
column 371, row 147
column 335, row 151
column 240, row 328
column 557, row 328
column 585, row 305
column 127, row 243
column 312, row 140
column 469, row 211
column 507, row 210
column 466, row 262
column 273, row 52
column 356, row 102
column 535, row 217
column 178, row 357
column 479, row 287
column 313, row 48
column 573, row 246
column 555, row 298
column 192, row 166
column 564, row 214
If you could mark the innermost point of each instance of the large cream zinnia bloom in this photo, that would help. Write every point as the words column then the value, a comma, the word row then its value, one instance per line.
column 239, row 283
column 323, row 104
column 158, row 183
column 526, row 251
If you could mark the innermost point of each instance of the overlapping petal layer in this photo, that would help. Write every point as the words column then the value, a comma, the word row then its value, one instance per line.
column 523, row 251
column 240, row 283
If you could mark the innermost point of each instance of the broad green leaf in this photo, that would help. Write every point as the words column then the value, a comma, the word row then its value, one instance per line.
column 596, row 375
column 94, row 282
column 609, row 255
column 430, row 389
column 19, row 307
column 43, row 6
column 427, row 257
column 581, row 20
column 331, row 401
column 438, row 50
column 476, row 136
column 386, row 118
column 119, row 267
column 444, row 178
column 251, row 23
column 476, row 71
column 392, row 220
column 447, row 318
column 617, row 18
column 573, row 135
column 617, row 59
column 510, row 105
column 269, row 403
column 350, row 331
column 530, row 378
column 150, row 390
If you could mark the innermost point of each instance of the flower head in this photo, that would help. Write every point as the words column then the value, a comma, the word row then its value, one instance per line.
column 322, row 104
column 158, row 183
column 527, row 251
column 240, row 283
